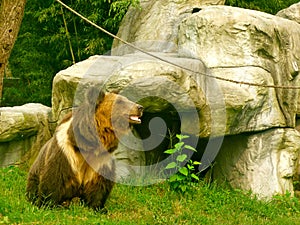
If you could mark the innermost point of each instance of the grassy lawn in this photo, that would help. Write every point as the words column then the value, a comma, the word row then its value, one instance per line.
column 156, row 204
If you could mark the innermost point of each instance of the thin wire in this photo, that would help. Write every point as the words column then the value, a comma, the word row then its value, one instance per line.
column 169, row 62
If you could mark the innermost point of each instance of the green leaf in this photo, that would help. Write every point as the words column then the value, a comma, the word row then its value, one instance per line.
column 178, row 136
column 190, row 167
column 195, row 176
column 184, row 136
column 183, row 188
column 171, row 165
column 181, row 136
column 190, row 148
column 180, row 177
column 170, row 151
column 196, row 163
column 184, row 171
column 181, row 158
column 173, row 178
column 178, row 145
column 175, row 185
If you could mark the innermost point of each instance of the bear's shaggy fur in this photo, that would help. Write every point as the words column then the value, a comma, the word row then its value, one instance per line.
column 77, row 161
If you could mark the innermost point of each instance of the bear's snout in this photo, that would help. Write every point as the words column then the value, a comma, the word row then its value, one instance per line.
column 136, row 114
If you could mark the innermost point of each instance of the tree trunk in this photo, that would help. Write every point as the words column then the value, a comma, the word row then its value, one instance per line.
column 11, row 14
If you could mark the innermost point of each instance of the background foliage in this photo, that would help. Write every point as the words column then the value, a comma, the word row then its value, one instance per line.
column 44, row 44
column 269, row 6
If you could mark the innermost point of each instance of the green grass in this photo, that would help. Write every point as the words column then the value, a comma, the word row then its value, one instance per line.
column 156, row 204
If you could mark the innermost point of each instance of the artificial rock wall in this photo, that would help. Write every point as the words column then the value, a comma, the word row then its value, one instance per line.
column 259, row 149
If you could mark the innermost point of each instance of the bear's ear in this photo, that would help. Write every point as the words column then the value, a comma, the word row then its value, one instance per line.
column 95, row 96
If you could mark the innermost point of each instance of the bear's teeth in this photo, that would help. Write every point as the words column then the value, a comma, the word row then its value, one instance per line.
column 135, row 118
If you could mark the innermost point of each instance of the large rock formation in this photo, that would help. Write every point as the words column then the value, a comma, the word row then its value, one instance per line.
column 23, row 131
column 291, row 13
column 248, row 51
column 232, row 41
column 153, row 25
column 262, row 162
column 227, row 37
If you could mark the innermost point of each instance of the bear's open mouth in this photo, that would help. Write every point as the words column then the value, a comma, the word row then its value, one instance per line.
column 135, row 119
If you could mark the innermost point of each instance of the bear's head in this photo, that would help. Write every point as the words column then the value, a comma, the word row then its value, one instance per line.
column 104, row 117
column 117, row 113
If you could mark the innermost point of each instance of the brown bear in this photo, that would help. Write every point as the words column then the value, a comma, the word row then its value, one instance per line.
column 77, row 160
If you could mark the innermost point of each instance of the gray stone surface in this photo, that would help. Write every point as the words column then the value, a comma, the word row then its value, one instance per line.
column 223, row 108
column 263, row 163
column 229, row 37
column 291, row 13
column 23, row 131
column 153, row 25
